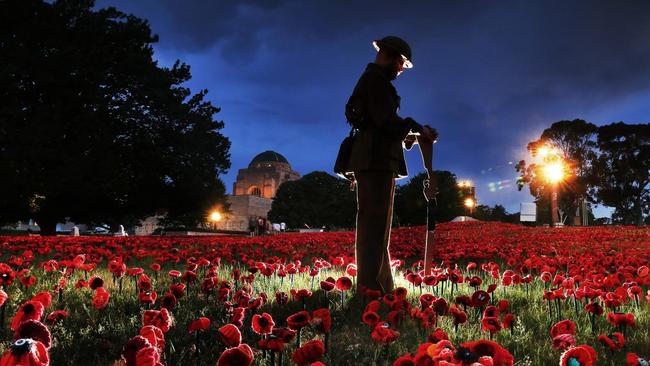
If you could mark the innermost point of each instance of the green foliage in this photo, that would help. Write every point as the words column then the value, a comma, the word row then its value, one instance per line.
column 410, row 204
column 622, row 171
column 496, row 213
column 316, row 199
column 92, row 128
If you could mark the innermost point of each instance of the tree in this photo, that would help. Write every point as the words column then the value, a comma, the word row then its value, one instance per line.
column 91, row 128
column 410, row 205
column 575, row 141
column 317, row 199
column 622, row 171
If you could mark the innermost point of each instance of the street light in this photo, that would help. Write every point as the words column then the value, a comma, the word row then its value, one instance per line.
column 215, row 216
column 554, row 170
column 470, row 203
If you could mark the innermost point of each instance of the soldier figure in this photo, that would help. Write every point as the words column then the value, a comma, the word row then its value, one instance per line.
column 377, row 157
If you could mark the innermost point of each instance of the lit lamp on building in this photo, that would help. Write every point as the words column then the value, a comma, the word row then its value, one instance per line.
column 215, row 216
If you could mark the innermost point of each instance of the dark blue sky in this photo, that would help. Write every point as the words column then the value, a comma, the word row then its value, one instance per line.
column 490, row 76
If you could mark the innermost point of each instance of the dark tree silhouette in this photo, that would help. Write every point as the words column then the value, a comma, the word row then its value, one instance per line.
column 91, row 128
column 410, row 205
column 622, row 171
column 576, row 140
column 317, row 199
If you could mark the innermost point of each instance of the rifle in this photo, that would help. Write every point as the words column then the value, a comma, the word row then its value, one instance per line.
column 429, row 190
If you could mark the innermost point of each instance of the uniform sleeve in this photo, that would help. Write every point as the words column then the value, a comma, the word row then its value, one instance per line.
column 381, row 109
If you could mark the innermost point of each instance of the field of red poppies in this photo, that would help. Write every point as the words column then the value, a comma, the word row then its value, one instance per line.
column 499, row 294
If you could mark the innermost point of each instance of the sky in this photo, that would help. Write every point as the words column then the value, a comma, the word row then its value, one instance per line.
column 490, row 76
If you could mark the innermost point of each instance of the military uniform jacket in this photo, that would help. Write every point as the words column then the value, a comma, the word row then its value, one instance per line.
column 379, row 144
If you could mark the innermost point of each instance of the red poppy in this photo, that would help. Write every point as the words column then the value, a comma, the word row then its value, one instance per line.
column 309, row 352
column 480, row 298
column 178, row 289
column 508, row 321
column 7, row 275
column 383, row 334
column 633, row 360
column 138, row 351
column 614, row 341
column 147, row 297
column 298, row 320
column 241, row 355
column 26, row 352
column 262, row 324
column 563, row 327
column 199, row 324
column 491, row 324
column 95, row 282
column 30, row 310
column 237, row 316
column 159, row 318
column 3, row 297
column 321, row 320
column 621, row 320
column 564, row 341
column 405, row 360
column 154, row 335
column 56, row 316
column 168, row 301
column 583, row 355
column 500, row 356
column 230, row 335
column 44, row 297
column 327, row 286
column 437, row 336
column 100, row 300
column 33, row 329
column 371, row 318
column 271, row 343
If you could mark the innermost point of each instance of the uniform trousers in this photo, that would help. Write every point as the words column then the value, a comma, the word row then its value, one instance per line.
column 375, row 194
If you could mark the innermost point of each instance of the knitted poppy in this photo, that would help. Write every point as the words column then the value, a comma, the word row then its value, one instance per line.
column 26, row 352
column 3, row 297
column 480, row 298
column 241, row 355
column 615, row 341
column 230, row 335
column 383, row 334
column 508, row 321
column 147, row 296
column 344, row 283
column 298, row 320
column 168, row 301
column 327, row 286
column 633, row 360
column 286, row 334
column 620, row 320
column 7, row 275
column 178, row 289
column 563, row 327
column 405, row 360
column 199, row 324
column 309, row 352
column 33, row 329
column 95, row 282
column 321, row 320
column 491, row 324
column 44, row 297
column 159, row 318
column 583, row 355
column 56, row 316
column 500, row 356
column 262, row 324
column 30, row 310
column 271, row 343
column 138, row 351
column 437, row 336
column 100, row 300
column 154, row 336
column 564, row 341
column 237, row 316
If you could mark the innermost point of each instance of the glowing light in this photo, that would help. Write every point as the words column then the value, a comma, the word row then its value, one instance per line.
column 543, row 151
column 215, row 216
column 554, row 172
column 469, row 203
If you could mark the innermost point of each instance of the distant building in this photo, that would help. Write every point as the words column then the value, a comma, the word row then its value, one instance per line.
column 255, row 188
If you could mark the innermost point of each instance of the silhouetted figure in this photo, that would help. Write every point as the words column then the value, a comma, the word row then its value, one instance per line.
column 377, row 158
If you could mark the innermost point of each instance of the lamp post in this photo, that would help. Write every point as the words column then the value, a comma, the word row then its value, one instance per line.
column 215, row 216
column 470, row 204
column 554, row 171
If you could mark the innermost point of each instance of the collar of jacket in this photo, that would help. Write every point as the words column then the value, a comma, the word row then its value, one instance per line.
column 383, row 71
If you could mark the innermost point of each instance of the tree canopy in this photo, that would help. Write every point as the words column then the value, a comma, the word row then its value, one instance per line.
column 92, row 128
column 410, row 204
column 316, row 199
